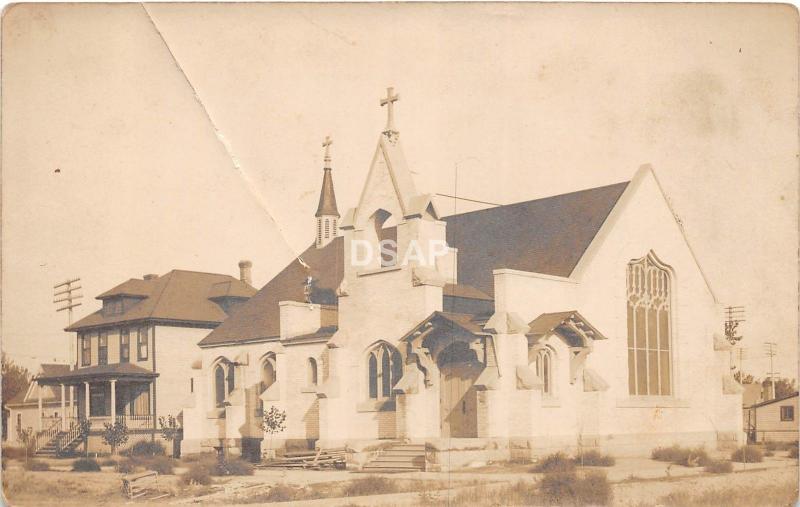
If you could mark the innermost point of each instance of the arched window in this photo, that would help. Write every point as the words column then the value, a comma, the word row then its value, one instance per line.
column 386, row 231
column 385, row 368
column 219, row 385
column 543, row 365
column 268, row 372
column 312, row 371
column 649, row 327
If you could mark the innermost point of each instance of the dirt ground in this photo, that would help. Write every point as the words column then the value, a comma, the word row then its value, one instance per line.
column 635, row 482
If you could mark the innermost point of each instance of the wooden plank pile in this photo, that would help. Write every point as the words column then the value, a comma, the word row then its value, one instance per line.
column 313, row 460
column 138, row 485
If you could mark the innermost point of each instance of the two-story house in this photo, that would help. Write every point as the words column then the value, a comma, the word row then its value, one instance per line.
column 133, row 357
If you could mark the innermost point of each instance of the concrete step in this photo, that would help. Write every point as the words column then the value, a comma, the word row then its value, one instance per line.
column 401, row 459
column 403, row 452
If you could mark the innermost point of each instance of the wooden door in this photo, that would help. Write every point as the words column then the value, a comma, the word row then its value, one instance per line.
column 458, row 399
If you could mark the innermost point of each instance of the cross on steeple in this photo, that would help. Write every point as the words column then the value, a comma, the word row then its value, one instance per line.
column 327, row 145
column 390, row 99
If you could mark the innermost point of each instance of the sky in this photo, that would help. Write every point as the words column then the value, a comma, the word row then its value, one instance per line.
column 137, row 139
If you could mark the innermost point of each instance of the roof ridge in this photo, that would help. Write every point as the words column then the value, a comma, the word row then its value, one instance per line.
column 174, row 270
column 500, row 206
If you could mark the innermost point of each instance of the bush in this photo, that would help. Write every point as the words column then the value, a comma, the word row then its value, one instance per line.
column 236, row 466
column 127, row 466
column 793, row 451
column 146, row 448
column 593, row 489
column 748, row 454
column 36, row 465
column 197, row 474
column 199, row 457
column 688, row 457
column 719, row 466
column 567, row 488
column 372, row 485
column 279, row 493
column 85, row 465
column 558, row 462
column 594, row 458
column 161, row 464
column 110, row 462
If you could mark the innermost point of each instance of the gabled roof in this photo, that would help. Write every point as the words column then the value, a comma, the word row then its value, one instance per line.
column 546, row 236
column 49, row 394
column 467, row 323
column 259, row 318
column 176, row 296
column 570, row 325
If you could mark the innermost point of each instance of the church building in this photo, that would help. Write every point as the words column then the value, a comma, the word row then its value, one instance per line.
column 579, row 320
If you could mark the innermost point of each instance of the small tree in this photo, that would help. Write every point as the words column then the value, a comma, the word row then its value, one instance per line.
column 84, row 428
column 274, row 422
column 169, row 429
column 26, row 436
column 115, row 435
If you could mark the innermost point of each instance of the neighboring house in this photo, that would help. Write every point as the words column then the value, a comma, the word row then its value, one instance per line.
column 773, row 420
column 132, row 363
column 580, row 319
column 24, row 407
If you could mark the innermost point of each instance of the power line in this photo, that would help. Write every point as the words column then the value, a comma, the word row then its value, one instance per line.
column 470, row 200
column 64, row 295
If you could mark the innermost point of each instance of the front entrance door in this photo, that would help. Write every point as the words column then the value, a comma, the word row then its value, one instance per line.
column 459, row 368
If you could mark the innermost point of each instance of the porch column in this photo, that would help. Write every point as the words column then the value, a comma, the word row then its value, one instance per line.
column 41, row 412
column 113, row 401
column 72, row 401
column 86, row 401
column 63, row 409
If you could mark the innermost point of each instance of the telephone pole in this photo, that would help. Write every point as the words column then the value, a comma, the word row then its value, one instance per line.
column 65, row 297
column 771, row 350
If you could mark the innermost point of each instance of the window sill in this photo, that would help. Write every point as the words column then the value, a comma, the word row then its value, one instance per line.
column 376, row 271
column 652, row 402
column 308, row 389
column 376, row 406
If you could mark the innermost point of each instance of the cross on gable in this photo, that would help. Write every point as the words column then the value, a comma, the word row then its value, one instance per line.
column 390, row 99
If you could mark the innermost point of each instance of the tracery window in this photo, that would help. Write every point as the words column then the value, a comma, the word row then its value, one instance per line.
column 543, row 365
column 384, row 369
column 649, row 328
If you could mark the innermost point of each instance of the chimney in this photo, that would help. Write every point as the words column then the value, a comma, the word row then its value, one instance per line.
column 244, row 272
column 150, row 277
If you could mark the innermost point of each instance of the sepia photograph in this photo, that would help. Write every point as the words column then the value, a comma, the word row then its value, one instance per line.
column 399, row 254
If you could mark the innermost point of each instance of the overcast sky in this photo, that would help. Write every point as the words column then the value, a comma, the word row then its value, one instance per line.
column 189, row 136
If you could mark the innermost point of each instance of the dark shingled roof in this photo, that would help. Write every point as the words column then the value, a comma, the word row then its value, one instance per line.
column 546, row 236
column 327, row 198
column 176, row 296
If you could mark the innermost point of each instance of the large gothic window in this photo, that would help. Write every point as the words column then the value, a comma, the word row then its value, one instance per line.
column 649, row 328
column 219, row 386
column 268, row 372
column 384, row 367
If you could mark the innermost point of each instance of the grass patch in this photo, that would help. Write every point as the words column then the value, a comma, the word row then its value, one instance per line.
column 36, row 465
column 771, row 494
column 85, row 465
column 371, row 485
column 719, row 466
column 748, row 454
column 774, row 445
column 594, row 458
column 109, row 462
column 198, row 474
column 557, row 462
column 567, row 488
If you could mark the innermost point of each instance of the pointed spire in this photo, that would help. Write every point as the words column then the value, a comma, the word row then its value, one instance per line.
column 327, row 198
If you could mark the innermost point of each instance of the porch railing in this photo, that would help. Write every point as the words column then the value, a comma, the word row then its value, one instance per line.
column 43, row 437
column 72, row 433
column 133, row 422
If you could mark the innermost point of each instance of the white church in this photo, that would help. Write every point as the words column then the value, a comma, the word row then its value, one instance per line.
column 581, row 320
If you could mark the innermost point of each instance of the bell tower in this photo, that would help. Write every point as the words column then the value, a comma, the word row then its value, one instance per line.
column 327, row 213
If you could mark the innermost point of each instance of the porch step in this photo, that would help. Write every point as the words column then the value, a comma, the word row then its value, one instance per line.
column 398, row 458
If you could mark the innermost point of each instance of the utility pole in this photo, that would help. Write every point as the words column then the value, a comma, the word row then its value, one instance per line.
column 734, row 315
column 771, row 350
column 64, row 296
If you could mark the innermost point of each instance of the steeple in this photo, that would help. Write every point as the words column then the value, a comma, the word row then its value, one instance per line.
column 327, row 213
